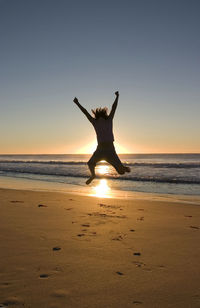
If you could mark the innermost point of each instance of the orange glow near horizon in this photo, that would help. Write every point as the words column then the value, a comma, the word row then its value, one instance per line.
column 90, row 147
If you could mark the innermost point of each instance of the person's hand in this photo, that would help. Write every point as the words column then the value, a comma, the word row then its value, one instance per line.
column 75, row 100
column 117, row 93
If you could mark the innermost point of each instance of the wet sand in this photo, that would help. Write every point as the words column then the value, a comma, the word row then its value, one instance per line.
column 62, row 250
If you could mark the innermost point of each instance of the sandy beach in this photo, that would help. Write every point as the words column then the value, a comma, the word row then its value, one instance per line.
column 62, row 250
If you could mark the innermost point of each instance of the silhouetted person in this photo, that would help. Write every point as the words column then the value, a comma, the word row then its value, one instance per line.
column 103, row 125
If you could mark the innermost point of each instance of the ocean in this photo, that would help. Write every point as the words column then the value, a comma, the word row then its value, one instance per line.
column 150, row 173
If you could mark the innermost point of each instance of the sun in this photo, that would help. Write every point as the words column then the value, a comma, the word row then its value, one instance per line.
column 91, row 147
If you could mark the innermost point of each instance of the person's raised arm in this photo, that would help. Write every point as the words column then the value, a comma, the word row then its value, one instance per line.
column 90, row 118
column 114, row 106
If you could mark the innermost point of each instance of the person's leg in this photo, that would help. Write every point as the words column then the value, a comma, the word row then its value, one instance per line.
column 91, row 165
column 113, row 159
column 92, row 170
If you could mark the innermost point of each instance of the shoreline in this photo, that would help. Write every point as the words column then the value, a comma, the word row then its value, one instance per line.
column 90, row 191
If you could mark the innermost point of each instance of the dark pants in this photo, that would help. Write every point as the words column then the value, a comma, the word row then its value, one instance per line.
column 106, row 151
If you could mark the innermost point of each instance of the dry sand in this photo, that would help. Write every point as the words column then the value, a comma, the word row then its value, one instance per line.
column 62, row 250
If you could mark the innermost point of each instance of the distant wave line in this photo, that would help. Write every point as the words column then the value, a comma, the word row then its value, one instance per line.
column 83, row 163
column 131, row 178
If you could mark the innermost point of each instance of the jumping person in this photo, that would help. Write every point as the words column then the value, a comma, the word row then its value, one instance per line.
column 103, row 125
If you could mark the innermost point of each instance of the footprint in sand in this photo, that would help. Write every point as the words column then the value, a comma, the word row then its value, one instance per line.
column 119, row 273
column 196, row 297
column 4, row 284
column 139, row 264
column 141, row 218
column 44, row 276
column 93, row 233
column 119, row 237
column 137, row 253
column 137, row 302
column 56, row 248
column 14, row 300
column 85, row 225
column 161, row 267
column 147, row 269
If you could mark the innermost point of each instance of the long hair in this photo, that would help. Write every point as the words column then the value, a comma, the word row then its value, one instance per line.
column 100, row 113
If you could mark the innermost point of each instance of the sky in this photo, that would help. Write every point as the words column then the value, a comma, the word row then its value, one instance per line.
column 52, row 51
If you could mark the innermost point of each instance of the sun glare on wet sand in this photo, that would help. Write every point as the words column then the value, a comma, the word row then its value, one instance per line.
column 102, row 190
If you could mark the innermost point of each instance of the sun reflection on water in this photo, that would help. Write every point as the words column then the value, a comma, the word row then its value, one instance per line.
column 102, row 190
column 102, row 169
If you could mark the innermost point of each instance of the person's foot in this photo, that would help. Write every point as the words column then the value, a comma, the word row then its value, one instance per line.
column 127, row 169
column 90, row 180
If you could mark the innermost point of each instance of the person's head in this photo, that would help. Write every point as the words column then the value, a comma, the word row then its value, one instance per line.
column 100, row 113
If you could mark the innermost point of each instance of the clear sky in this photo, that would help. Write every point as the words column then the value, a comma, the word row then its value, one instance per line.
column 51, row 51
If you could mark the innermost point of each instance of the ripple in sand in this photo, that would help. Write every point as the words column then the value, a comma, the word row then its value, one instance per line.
column 4, row 284
column 58, row 269
column 60, row 293
column 109, row 206
column 104, row 215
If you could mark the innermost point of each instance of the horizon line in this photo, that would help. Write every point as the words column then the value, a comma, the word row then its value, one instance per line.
column 150, row 153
